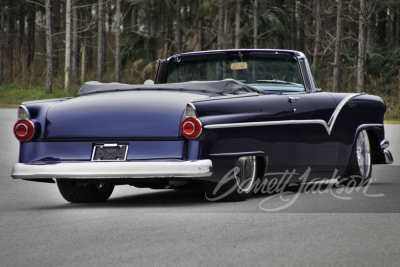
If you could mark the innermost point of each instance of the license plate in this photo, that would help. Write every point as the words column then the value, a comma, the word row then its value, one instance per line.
column 109, row 152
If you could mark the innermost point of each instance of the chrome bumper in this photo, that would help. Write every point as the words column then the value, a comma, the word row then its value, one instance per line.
column 105, row 170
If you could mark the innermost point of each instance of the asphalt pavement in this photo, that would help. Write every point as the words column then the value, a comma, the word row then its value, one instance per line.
column 319, row 225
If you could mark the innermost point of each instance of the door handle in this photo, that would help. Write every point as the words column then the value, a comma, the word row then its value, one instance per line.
column 293, row 99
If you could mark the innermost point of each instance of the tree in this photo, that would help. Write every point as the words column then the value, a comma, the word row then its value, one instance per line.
column 178, row 26
column 100, row 42
column 317, row 42
column 68, row 46
column 200, row 29
column 49, row 45
column 30, row 46
column 255, row 22
column 56, row 38
column 1, row 42
column 10, row 36
column 20, row 34
column 117, row 41
column 237, row 24
column 74, row 50
column 362, row 43
column 220, row 24
column 338, row 41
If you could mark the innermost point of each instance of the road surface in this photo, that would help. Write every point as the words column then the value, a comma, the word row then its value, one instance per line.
column 138, row 227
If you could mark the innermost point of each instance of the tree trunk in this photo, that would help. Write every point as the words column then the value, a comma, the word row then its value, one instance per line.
column 237, row 24
column 220, row 24
column 49, row 55
column 10, row 38
column 100, row 42
column 135, row 18
column 83, row 62
column 67, row 46
column 89, row 42
column 30, row 54
column 361, row 48
column 56, row 28
column 117, row 41
column 255, row 23
column 317, row 43
column 75, row 48
column 178, row 26
column 20, row 35
column 381, row 27
column 336, row 63
column 104, row 39
column 300, row 26
column 395, row 32
column 109, row 15
column 199, row 33
column 1, row 44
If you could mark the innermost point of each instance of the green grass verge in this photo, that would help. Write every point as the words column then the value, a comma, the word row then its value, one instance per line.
column 12, row 95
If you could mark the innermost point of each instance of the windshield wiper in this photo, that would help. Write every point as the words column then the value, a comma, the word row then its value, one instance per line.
column 278, row 82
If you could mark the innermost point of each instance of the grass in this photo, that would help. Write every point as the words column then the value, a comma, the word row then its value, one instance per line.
column 11, row 96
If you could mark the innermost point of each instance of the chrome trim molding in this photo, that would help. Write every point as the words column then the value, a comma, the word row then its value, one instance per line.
column 385, row 144
column 193, row 107
column 339, row 108
column 26, row 111
column 328, row 126
column 266, row 123
column 388, row 156
column 105, row 170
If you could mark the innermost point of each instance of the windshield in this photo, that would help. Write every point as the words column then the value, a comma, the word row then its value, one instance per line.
column 266, row 72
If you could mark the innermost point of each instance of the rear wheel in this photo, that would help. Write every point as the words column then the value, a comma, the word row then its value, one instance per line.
column 360, row 167
column 85, row 193
column 237, row 185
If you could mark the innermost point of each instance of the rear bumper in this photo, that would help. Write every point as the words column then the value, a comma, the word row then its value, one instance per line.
column 106, row 170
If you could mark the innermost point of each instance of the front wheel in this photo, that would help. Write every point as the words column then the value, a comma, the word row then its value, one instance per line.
column 237, row 185
column 85, row 193
column 360, row 167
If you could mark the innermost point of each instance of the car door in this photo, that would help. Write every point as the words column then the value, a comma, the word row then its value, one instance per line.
column 315, row 148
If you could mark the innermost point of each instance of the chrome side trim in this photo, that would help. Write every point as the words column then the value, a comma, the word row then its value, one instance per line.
column 106, row 170
column 339, row 108
column 328, row 126
column 267, row 123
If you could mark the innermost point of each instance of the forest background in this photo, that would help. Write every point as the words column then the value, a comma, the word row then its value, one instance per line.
column 49, row 48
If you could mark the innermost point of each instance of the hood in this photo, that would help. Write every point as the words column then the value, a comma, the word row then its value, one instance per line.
column 119, row 115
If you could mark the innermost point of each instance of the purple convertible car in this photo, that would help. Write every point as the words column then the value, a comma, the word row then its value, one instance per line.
column 216, row 121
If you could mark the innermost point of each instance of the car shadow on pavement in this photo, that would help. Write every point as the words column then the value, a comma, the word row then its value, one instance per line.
column 188, row 198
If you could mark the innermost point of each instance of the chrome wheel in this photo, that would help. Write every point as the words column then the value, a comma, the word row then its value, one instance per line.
column 363, row 154
column 237, row 184
column 359, row 170
column 245, row 173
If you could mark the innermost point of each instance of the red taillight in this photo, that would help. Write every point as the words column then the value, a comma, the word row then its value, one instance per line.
column 24, row 130
column 191, row 127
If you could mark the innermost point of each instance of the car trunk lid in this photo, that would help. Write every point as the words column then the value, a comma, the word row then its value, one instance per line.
column 144, row 115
